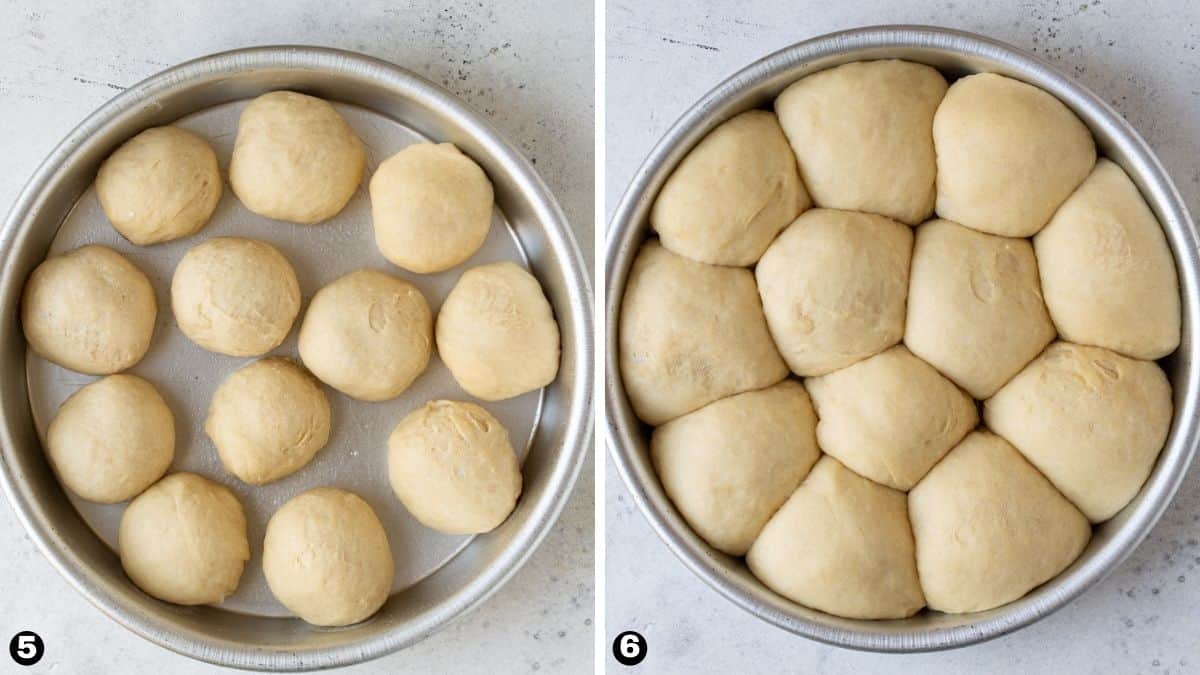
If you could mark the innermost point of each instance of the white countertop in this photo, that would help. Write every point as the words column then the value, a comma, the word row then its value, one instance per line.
column 528, row 68
column 1144, row 58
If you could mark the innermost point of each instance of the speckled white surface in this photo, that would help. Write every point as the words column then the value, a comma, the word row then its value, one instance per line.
column 1144, row 57
column 528, row 68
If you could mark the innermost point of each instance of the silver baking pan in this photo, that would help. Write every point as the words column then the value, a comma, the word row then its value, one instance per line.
column 437, row 576
column 956, row 54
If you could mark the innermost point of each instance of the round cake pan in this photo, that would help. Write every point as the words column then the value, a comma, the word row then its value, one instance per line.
column 438, row 577
column 955, row 53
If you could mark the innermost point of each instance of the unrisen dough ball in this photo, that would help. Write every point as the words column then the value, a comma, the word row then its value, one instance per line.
column 497, row 334
column 989, row 527
column 90, row 310
column 731, row 194
column 842, row 545
column 184, row 540
column 368, row 335
column 691, row 334
column 729, row 465
column 326, row 558
column 1091, row 420
column 833, row 287
column 295, row 158
column 891, row 417
column 975, row 309
column 1107, row 272
column 1008, row 154
column 267, row 420
column 160, row 185
column 431, row 206
column 235, row 296
column 112, row 439
column 861, row 134
column 453, row 467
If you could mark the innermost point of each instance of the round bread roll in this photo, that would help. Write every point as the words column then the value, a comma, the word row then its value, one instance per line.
column 989, row 528
column 842, row 545
column 731, row 194
column 112, row 439
column 1107, row 273
column 497, row 334
column 452, row 466
column 184, row 540
column 691, row 334
column 861, row 134
column 431, row 206
column 1091, row 420
column 729, row 465
column 891, row 417
column 295, row 158
column 1008, row 154
column 90, row 310
column 368, row 335
column 160, row 185
column 267, row 420
column 235, row 296
column 833, row 287
column 975, row 309
column 327, row 559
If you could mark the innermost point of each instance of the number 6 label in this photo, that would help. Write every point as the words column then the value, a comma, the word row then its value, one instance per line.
column 629, row 649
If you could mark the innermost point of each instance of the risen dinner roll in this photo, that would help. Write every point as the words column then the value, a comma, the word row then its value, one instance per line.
column 861, row 134
column 729, row 465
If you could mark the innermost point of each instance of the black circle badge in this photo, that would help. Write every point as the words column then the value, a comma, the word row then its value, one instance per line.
column 629, row 649
column 26, row 648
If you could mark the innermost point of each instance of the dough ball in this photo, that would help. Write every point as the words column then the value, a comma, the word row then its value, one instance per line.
column 160, row 185
column 326, row 558
column 431, row 206
column 975, row 309
column 267, row 420
column 1091, row 420
column 842, row 545
column 891, row 417
column 368, row 335
column 184, row 540
column 729, row 465
column 90, row 310
column 833, row 287
column 690, row 334
column 453, row 467
column 112, row 439
column 1008, row 154
column 731, row 194
column 861, row 134
column 989, row 528
column 295, row 158
column 497, row 334
column 1107, row 272
column 235, row 296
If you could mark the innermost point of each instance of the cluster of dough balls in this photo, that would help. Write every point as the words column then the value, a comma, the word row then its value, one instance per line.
column 907, row 249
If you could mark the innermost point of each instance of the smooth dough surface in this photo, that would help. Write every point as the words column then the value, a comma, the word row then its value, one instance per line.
column 841, row 544
column 862, row 134
column 295, row 158
column 1107, row 272
column 431, row 206
column 833, row 288
column 160, row 185
column 235, row 296
column 731, row 194
column 496, row 332
column 690, row 334
column 975, row 309
column 327, row 559
column 729, row 465
column 89, row 310
column 1091, row 420
column 989, row 528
